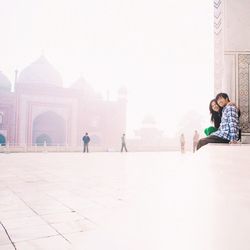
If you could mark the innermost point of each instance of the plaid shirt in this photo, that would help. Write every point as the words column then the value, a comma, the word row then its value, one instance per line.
column 229, row 127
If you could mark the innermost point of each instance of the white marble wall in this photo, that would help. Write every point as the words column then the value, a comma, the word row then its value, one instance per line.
column 232, row 54
column 218, row 44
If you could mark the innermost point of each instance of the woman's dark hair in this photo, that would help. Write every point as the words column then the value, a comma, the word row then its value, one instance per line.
column 215, row 116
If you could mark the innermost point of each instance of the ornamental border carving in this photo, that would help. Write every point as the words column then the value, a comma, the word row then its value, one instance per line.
column 243, row 88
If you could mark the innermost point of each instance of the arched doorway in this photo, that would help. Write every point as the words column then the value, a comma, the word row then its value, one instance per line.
column 49, row 127
column 2, row 140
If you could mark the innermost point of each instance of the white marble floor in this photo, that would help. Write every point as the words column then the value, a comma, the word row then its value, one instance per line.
column 126, row 201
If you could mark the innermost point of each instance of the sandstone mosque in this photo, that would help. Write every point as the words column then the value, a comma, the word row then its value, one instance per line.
column 41, row 110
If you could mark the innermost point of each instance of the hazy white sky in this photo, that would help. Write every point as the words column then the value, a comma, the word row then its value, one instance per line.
column 161, row 50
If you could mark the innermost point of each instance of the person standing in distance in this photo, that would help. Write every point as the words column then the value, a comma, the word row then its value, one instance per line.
column 195, row 140
column 86, row 141
column 123, row 143
column 182, row 141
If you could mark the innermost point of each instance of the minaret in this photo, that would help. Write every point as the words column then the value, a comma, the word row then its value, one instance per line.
column 108, row 95
column 16, row 74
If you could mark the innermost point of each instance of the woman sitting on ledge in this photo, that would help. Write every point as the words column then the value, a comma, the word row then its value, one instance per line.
column 216, row 113
column 228, row 131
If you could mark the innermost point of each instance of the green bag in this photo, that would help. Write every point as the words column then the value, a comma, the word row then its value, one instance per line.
column 208, row 131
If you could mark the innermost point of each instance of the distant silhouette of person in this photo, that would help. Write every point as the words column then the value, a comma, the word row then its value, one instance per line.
column 86, row 141
column 195, row 140
column 123, row 143
column 182, row 141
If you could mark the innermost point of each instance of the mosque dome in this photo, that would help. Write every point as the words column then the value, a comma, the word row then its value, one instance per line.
column 5, row 83
column 40, row 72
column 122, row 91
column 81, row 85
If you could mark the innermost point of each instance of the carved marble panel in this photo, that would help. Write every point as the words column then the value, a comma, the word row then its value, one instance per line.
column 244, row 95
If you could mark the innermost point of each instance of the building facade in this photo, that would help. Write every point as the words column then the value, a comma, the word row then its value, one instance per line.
column 41, row 110
column 232, row 55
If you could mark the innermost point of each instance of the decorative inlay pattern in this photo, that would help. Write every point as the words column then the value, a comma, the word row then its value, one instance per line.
column 244, row 97
column 217, row 16
column 218, row 45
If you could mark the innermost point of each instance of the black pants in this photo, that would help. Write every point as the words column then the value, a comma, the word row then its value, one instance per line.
column 85, row 147
column 210, row 139
column 124, row 147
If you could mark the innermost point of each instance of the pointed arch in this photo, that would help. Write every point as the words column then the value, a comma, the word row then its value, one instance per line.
column 49, row 127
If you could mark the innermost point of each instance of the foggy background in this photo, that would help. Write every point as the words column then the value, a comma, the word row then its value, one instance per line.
column 161, row 51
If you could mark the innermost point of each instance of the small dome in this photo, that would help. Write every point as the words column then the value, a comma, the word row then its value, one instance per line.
column 40, row 72
column 122, row 91
column 80, row 83
column 5, row 83
column 82, row 86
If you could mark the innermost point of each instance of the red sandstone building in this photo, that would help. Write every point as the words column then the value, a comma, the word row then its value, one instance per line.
column 41, row 110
